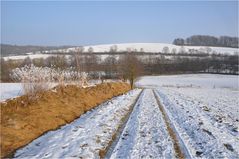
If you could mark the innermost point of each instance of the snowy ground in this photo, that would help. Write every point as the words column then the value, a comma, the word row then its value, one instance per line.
column 202, row 110
column 156, row 47
column 10, row 90
column 204, row 81
column 145, row 134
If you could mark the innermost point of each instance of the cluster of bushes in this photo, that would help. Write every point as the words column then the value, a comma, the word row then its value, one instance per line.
column 38, row 79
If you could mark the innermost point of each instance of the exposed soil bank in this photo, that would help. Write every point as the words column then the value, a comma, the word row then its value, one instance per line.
column 20, row 123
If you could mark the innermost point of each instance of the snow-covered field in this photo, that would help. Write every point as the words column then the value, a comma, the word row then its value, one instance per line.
column 199, row 113
column 203, row 81
column 156, row 47
column 21, row 57
column 145, row 47
column 145, row 134
column 10, row 90
column 204, row 110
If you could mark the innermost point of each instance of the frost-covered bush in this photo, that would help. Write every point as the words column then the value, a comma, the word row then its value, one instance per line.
column 33, row 79
column 37, row 79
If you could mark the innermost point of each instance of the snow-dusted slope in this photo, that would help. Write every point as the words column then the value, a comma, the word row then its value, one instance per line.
column 156, row 47
column 145, row 47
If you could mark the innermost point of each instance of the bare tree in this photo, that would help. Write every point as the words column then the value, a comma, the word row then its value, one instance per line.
column 6, row 67
column 182, row 50
column 208, row 50
column 174, row 51
column 27, row 61
column 91, row 62
column 77, row 59
column 165, row 50
column 39, row 62
column 80, row 49
column 90, row 50
column 58, row 61
column 110, row 66
column 129, row 49
column 131, row 67
column 113, row 48
column 141, row 49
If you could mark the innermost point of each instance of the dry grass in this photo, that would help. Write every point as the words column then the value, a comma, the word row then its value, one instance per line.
column 33, row 90
column 22, row 122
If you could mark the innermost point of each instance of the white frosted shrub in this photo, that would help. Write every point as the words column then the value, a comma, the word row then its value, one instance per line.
column 33, row 79
column 37, row 79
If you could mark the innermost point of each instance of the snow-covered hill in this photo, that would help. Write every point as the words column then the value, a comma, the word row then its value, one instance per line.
column 145, row 47
column 158, row 47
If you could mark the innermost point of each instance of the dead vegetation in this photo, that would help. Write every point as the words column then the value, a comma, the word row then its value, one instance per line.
column 22, row 122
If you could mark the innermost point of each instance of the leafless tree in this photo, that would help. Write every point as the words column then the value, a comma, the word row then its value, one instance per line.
column 90, row 50
column 165, row 50
column 77, row 58
column 110, row 66
column 174, row 51
column 129, row 49
column 130, row 67
column 141, row 49
column 208, row 50
column 113, row 48
column 182, row 50
column 26, row 61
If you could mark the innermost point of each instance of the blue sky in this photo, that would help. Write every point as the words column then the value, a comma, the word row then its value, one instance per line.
column 83, row 23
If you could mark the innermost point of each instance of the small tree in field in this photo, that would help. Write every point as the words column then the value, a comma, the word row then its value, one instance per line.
column 90, row 50
column 113, row 49
column 165, row 50
column 130, row 68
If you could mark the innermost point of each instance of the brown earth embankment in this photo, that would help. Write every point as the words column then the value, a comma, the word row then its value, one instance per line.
column 21, row 123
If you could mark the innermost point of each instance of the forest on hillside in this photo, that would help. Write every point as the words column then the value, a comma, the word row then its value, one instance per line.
column 206, row 40
column 7, row 50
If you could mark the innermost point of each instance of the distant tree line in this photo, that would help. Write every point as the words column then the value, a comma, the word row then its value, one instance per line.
column 206, row 40
column 7, row 50
column 187, row 64
column 130, row 65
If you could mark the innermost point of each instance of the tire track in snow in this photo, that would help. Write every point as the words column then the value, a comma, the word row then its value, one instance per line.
column 117, row 135
column 179, row 146
column 145, row 134
column 201, row 137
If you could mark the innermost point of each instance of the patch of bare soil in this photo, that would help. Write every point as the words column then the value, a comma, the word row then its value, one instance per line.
column 22, row 122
